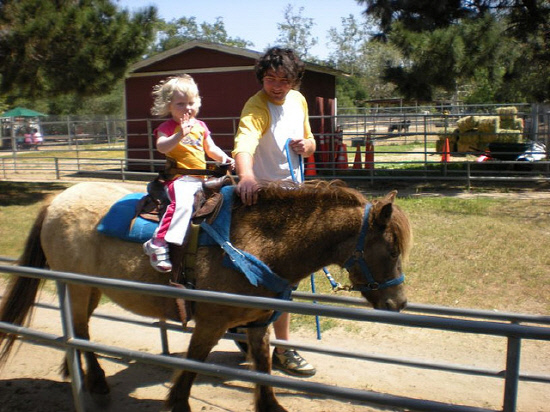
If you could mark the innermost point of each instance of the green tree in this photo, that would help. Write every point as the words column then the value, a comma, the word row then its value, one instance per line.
column 447, row 58
column 346, row 44
column 178, row 31
column 373, row 59
column 295, row 33
column 362, row 59
column 57, row 47
column 448, row 44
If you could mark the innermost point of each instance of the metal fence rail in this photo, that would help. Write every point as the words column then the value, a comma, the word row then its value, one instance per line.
column 367, row 148
column 514, row 333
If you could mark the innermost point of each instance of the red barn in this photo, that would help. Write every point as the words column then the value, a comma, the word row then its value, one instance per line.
column 226, row 79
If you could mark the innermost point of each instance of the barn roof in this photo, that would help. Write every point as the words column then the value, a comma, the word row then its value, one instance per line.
column 236, row 51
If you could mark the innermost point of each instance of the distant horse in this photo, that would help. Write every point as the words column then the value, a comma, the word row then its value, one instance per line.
column 294, row 232
column 402, row 126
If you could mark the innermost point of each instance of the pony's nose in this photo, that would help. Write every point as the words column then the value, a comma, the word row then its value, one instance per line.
column 396, row 305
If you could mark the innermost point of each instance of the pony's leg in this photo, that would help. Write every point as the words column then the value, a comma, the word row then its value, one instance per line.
column 84, row 302
column 264, row 396
column 204, row 338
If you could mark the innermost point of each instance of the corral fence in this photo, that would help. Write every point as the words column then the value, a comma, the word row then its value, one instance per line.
column 445, row 143
column 514, row 327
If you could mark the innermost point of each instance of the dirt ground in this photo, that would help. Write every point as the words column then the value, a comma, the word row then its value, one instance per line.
column 31, row 382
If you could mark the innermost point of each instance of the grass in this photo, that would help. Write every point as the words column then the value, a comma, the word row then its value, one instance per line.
column 408, row 147
column 479, row 252
column 483, row 252
column 95, row 151
column 19, row 204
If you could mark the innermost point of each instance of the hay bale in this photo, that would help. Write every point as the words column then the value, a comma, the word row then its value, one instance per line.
column 507, row 123
column 453, row 138
column 466, row 124
column 512, row 124
column 508, row 112
column 485, row 138
column 469, row 141
column 488, row 124
column 509, row 136
column 507, row 116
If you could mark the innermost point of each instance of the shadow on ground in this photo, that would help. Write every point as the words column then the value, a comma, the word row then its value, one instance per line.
column 27, row 193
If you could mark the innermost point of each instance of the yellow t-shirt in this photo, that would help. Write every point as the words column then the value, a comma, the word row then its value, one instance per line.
column 264, row 129
column 189, row 152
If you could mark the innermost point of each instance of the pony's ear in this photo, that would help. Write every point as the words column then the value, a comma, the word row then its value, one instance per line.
column 384, row 209
column 384, row 215
column 390, row 197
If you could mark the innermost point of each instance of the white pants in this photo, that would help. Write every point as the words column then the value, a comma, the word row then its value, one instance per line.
column 182, row 195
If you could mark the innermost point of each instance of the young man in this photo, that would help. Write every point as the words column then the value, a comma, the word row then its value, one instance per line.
column 275, row 114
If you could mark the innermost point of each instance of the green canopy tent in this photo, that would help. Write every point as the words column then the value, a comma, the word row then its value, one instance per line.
column 22, row 112
column 12, row 120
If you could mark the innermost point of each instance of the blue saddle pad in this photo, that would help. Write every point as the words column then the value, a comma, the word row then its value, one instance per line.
column 118, row 221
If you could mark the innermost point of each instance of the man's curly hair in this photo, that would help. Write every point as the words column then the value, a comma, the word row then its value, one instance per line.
column 278, row 58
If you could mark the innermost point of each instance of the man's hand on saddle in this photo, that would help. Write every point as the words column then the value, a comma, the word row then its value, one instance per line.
column 247, row 188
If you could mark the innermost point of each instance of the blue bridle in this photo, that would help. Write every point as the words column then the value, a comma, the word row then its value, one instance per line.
column 358, row 257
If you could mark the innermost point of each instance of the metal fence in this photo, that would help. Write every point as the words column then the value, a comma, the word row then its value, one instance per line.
column 507, row 325
column 377, row 144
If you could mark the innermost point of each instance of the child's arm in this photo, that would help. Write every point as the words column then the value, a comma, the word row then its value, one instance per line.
column 213, row 151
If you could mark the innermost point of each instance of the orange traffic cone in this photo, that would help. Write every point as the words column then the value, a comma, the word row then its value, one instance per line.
column 342, row 160
column 310, row 166
column 369, row 155
column 446, row 155
column 357, row 161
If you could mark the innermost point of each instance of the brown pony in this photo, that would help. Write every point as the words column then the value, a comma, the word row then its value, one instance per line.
column 295, row 232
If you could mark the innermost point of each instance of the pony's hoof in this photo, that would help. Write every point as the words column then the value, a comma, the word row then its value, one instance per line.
column 181, row 407
column 97, row 387
column 273, row 407
column 177, row 405
column 96, row 402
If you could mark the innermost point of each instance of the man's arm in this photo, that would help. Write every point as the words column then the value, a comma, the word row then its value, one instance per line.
column 247, row 187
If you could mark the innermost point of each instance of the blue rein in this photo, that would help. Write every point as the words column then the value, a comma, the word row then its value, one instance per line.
column 289, row 160
column 359, row 258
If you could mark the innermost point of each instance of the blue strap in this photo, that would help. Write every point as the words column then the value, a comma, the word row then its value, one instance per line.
column 257, row 272
column 289, row 161
column 358, row 258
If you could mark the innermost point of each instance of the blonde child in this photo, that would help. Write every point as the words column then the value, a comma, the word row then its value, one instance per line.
column 184, row 140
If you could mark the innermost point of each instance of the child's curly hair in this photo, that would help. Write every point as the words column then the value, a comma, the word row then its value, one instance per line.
column 278, row 58
column 164, row 91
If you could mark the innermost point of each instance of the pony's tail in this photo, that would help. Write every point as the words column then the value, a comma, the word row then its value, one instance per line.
column 21, row 293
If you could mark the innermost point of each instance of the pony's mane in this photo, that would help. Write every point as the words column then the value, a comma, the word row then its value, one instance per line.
column 337, row 190
column 312, row 190
column 401, row 227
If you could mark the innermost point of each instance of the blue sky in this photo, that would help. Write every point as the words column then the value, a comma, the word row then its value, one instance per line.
column 256, row 21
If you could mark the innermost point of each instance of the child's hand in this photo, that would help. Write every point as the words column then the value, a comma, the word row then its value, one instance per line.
column 230, row 161
column 186, row 124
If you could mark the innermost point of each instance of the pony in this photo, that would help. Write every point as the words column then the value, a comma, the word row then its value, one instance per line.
column 295, row 231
